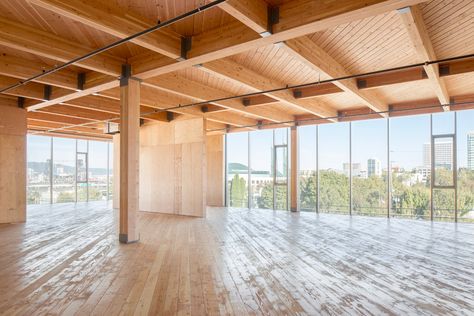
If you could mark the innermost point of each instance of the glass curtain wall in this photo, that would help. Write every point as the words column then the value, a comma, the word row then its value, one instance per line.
column 39, row 169
column 369, row 167
column 58, row 170
column 384, row 167
column 260, row 159
column 237, row 169
column 465, row 165
column 261, row 170
column 334, row 168
column 307, row 173
column 98, row 171
column 64, row 170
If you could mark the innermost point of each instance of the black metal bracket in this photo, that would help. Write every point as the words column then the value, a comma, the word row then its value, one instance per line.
column 21, row 102
column 81, row 80
column 273, row 17
column 361, row 83
column 47, row 92
column 126, row 74
column 169, row 116
column 204, row 109
column 142, row 121
column 227, row 128
column 186, row 42
column 444, row 70
column 246, row 101
column 297, row 93
column 259, row 124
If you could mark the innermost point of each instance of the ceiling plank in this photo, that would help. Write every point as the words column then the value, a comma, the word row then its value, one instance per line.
column 297, row 18
column 418, row 33
column 29, row 39
column 117, row 22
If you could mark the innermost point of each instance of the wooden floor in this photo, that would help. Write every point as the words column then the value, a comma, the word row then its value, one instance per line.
column 66, row 260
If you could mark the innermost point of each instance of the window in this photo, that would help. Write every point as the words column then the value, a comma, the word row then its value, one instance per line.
column 261, row 158
column 110, row 148
column 369, row 167
column 410, row 166
column 97, row 171
column 465, row 164
column 64, row 170
column 334, row 168
column 39, row 169
column 307, row 155
column 237, row 169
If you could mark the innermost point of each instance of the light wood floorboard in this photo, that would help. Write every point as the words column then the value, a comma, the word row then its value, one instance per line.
column 67, row 260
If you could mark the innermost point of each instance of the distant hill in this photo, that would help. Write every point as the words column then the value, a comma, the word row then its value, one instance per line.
column 43, row 167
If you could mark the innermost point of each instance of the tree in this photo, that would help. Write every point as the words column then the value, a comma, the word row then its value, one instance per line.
column 238, row 192
column 64, row 197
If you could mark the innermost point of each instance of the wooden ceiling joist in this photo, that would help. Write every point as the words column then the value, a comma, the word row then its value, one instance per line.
column 255, row 81
column 297, row 18
column 174, row 83
column 416, row 28
column 322, row 62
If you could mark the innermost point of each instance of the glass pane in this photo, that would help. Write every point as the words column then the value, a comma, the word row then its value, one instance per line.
column 410, row 172
column 261, row 158
column 443, row 123
column 307, row 168
column 334, row 168
column 111, row 170
column 369, row 168
column 443, row 161
column 237, row 169
column 97, row 171
column 465, row 161
column 39, row 169
column 281, row 197
column 281, row 136
column 81, row 167
column 443, row 204
column 82, row 145
column 281, row 165
column 64, row 170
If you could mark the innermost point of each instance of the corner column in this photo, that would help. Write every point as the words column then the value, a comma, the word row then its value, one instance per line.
column 129, row 155
column 294, row 169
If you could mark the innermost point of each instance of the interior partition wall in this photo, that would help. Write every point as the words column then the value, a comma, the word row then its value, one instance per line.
column 419, row 167
column 257, row 169
column 68, row 170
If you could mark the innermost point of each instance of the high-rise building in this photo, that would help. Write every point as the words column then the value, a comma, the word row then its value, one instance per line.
column 470, row 151
column 373, row 167
column 443, row 154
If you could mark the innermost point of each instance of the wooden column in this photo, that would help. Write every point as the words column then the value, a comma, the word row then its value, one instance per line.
column 12, row 164
column 129, row 155
column 294, row 169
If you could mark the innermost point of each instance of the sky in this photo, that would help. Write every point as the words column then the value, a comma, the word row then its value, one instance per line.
column 369, row 139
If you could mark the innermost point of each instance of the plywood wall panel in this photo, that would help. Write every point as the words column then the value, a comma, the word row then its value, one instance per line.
column 215, row 170
column 12, row 165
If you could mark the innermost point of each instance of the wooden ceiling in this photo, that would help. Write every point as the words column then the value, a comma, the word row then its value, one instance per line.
column 232, row 53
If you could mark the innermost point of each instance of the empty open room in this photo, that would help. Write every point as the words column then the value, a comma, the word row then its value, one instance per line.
column 235, row 157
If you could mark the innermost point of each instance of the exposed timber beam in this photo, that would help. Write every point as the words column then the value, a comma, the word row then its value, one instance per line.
column 413, row 20
column 257, row 82
column 201, row 92
column 321, row 61
column 297, row 18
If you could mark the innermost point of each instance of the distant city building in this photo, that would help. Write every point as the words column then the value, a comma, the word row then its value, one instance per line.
column 470, row 151
column 356, row 169
column 443, row 154
column 373, row 167
column 423, row 173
